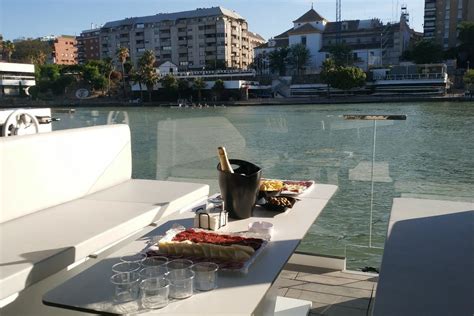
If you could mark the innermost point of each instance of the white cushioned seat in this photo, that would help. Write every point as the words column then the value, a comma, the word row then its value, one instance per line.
column 66, row 195
column 43, row 170
column 45, row 242
column 171, row 196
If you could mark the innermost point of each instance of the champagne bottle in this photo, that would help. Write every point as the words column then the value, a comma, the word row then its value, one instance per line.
column 225, row 164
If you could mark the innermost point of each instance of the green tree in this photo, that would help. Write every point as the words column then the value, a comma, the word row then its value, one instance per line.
column 122, row 54
column 425, row 52
column 94, row 72
column 259, row 63
column 146, row 65
column 199, row 84
column 278, row 60
column 341, row 54
column 218, row 88
column 32, row 51
column 469, row 81
column 8, row 49
column 59, row 86
column 99, row 83
column 183, row 88
column 327, row 70
column 170, row 86
column 50, row 72
column 466, row 39
column 298, row 57
column 90, row 72
column 346, row 78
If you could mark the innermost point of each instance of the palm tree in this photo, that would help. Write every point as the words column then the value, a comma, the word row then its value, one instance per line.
column 8, row 49
column 218, row 88
column 108, row 68
column 151, row 79
column 147, row 68
column 199, row 84
column 170, row 86
column 137, row 77
column 122, row 56
column 299, row 57
column 278, row 60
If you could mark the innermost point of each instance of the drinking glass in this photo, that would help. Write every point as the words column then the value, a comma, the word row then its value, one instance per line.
column 126, row 267
column 153, row 272
column 133, row 257
column 154, row 292
column 154, row 261
column 181, row 283
column 126, row 286
column 205, row 278
column 179, row 265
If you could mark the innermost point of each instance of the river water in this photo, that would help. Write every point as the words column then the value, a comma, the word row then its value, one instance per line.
column 427, row 156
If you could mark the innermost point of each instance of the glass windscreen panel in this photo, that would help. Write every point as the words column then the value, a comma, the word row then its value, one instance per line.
column 428, row 155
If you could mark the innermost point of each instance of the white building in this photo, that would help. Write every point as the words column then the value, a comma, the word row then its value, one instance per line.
column 373, row 44
column 13, row 76
column 307, row 30
column 167, row 68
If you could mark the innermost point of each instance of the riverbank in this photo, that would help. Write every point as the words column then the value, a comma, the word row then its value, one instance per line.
column 106, row 102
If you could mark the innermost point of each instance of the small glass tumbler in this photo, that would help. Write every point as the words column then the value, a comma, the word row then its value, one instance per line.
column 126, row 286
column 155, row 261
column 205, row 278
column 126, row 267
column 133, row 258
column 179, row 266
column 154, row 293
column 153, row 272
column 181, row 283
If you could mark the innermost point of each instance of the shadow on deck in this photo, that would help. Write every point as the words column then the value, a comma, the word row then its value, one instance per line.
column 332, row 292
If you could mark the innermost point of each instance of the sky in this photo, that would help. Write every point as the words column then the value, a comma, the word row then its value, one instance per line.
column 35, row 18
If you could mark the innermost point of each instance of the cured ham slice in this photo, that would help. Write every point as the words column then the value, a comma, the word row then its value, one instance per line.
column 227, row 248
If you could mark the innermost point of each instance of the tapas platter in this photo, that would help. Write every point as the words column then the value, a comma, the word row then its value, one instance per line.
column 231, row 251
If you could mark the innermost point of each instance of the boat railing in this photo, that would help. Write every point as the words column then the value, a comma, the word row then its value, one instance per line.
column 20, row 77
column 412, row 76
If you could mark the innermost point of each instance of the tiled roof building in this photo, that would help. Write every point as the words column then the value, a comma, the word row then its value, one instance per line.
column 372, row 42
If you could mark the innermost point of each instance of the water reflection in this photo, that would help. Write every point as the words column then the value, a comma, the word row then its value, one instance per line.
column 186, row 148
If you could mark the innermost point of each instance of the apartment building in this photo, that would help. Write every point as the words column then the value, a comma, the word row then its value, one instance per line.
column 64, row 50
column 442, row 18
column 255, row 40
column 88, row 45
column 205, row 38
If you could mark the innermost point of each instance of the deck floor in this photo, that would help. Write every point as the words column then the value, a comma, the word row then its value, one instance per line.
column 333, row 293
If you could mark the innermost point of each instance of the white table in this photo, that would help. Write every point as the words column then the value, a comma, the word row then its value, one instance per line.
column 237, row 294
column 428, row 261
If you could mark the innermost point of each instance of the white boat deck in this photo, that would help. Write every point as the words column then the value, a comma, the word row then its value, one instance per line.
column 332, row 292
